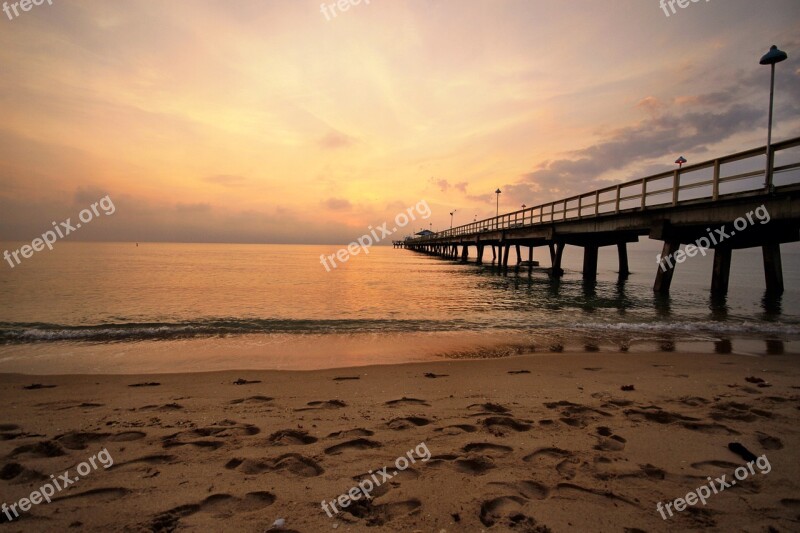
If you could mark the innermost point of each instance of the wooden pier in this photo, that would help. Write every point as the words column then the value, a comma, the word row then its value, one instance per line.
column 679, row 207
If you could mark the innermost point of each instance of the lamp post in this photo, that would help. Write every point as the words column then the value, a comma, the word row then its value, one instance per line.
column 771, row 58
column 524, row 206
column 497, row 192
column 451, row 217
column 680, row 161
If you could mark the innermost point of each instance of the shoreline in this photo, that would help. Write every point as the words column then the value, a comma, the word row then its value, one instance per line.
column 326, row 351
column 523, row 442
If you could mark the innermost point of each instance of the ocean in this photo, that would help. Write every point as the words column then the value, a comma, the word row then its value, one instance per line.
column 157, row 307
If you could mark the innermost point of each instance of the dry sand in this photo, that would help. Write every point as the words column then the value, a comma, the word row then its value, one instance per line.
column 534, row 443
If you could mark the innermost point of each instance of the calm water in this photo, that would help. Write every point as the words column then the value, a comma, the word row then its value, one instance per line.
column 111, row 307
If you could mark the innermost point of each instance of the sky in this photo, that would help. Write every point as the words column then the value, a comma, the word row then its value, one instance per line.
column 277, row 121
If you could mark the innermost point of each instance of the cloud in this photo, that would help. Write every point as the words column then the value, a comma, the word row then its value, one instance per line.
column 335, row 140
column 193, row 208
column 445, row 185
column 684, row 126
column 337, row 204
column 226, row 180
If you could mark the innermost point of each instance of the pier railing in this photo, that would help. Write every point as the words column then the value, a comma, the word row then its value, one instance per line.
column 712, row 180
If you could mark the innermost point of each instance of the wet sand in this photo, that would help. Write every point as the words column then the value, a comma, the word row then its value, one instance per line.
column 532, row 443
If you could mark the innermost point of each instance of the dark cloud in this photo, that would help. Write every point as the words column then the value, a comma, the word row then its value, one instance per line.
column 683, row 126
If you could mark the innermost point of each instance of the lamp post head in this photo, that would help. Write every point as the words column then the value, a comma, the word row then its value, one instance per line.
column 773, row 56
column 524, row 206
column 498, row 191
column 680, row 161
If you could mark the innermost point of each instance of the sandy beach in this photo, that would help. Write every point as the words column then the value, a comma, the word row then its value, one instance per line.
column 533, row 443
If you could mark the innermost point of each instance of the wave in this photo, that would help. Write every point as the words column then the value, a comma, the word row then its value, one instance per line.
column 698, row 327
column 16, row 333
column 23, row 333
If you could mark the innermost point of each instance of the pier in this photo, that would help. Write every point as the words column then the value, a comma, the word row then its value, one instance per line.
column 683, row 206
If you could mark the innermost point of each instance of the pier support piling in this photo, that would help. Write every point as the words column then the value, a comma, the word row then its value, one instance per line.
column 556, row 253
column 590, row 262
column 622, row 252
column 773, row 269
column 665, row 268
column 721, row 274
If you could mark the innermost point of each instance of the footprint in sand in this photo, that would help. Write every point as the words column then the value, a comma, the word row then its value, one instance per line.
column 607, row 441
column 294, row 463
column 488, row 408
column 500, row 425
column 474, row 465
column 355, row 444
column 105, row 494
column 406, row 401
column 738, row 411
column 576, row 415
column 166, row 407
column 604, row 495
column 252, row 399
column 488, row 448
column 457, row 429
column 241, row 381
column 358, row 432
column 319, row 404
column 18, row 474
column 77, row 440
column 660, row 416
column 222, row 504
column 715, row 465
column 384, row 514
column 530, row 490
column 768, row 442
column 506, row 513
column 653, row 472
column 43, row 449
column 38, row 386
column 13, row 431
column 563, row 462
column 225, row 429
column 408, row 422
column 286, row 437
column 150, row 460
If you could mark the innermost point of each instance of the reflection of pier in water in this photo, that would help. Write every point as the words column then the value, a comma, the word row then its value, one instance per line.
column 679, row 207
